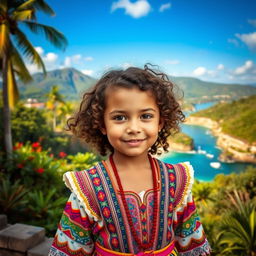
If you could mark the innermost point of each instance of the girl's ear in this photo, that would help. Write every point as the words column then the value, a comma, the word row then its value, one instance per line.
column 103, row 130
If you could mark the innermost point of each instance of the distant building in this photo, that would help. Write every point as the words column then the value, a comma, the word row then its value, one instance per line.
column 33, row 103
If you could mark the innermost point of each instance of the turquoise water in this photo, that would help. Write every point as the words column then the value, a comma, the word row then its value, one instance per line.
column 206, row 142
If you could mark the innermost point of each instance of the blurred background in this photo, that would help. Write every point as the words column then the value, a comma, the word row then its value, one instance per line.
column 52, row 51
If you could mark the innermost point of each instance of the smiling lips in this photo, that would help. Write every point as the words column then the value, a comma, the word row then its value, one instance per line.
column 134, row 142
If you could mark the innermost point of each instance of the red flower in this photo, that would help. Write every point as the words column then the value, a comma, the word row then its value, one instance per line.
column 35, row 145
column 51, row 155
column 62, row 154
column 40, row 170
column 18, row 146
column 20, row 165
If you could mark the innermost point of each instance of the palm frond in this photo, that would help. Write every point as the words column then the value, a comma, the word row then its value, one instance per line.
column 53, row 35
column 41, row 5
column 28, row 49
column 20, row 67
column 23, row 15
column 25, row 5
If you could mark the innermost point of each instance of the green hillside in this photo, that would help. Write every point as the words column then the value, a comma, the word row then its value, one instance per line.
column 237, row 118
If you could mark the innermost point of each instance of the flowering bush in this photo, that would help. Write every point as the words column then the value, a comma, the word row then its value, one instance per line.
column 35, row 167
column 38, row 175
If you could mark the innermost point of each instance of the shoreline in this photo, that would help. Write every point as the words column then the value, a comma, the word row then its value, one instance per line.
column 233, row 149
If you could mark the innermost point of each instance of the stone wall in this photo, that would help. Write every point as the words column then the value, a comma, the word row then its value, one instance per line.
column 22, row 240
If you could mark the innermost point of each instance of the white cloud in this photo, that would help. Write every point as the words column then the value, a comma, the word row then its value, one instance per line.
column 164, row 7
column 200, row 71
column 172, row 62
column 248, row 66
column 252, row 22
column 220, row 67
column 245, row 73
column 72, row 60
column 248, row 39
column 203, row 71
column 89, row 58
column 233, row 41
column 40, row 50
column 50, row 57
column 87, row 72
column 136, row 9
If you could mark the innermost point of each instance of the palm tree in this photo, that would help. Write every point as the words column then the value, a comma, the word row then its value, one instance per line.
column 64, row 111
column 238, row 227
column 14, row 45
column 54, row 97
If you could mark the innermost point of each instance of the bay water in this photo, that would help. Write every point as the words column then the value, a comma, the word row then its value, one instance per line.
column 206, row 152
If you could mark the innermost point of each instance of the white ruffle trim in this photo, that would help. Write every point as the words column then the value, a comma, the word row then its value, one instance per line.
column 69, row 180
column 187, row 193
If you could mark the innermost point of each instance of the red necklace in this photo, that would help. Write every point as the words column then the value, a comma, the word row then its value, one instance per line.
column 128, row 214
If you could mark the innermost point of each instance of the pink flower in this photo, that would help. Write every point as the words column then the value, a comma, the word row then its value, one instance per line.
column 62, row 154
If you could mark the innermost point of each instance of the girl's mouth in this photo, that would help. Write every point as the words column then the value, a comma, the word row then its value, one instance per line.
column 136, row 142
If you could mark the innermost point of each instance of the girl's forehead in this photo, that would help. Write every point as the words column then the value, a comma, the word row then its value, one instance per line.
column 129, row 97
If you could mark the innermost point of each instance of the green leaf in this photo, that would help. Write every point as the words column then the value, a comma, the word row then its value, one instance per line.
column 53, row 35
column 28, row 49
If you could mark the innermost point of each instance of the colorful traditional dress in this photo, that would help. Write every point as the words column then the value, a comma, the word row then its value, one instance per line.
column 94, row 216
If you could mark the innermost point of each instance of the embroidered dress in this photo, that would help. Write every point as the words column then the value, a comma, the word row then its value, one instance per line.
column 94, row 216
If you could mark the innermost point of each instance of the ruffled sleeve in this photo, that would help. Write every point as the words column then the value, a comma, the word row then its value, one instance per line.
column 80, row 222
column 190, row 238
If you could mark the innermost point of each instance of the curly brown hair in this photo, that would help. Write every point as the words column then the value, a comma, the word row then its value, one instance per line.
column 89, row 119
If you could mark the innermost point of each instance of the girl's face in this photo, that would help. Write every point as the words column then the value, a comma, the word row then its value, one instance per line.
column 132, row 120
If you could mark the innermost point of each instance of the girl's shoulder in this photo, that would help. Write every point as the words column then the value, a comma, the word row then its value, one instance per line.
column 81, row 184
column 182, row 170
column 184, row 179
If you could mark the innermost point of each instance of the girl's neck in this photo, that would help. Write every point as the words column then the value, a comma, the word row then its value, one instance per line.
column 131, row 162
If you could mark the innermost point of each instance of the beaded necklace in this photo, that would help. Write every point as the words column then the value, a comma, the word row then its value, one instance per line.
column 141, row 245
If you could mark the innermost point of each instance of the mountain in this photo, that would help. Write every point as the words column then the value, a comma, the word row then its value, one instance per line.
column 71, row 84
column 197, row 90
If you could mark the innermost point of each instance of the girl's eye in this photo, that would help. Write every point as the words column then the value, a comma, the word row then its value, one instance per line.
column 146, row 116
column 119, row 118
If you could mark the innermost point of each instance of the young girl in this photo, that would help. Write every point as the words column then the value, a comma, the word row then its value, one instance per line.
column 132, row 203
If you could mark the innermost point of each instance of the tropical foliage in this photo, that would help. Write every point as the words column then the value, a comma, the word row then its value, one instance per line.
column 227, row 208
column 14, row 46
column 35, row 175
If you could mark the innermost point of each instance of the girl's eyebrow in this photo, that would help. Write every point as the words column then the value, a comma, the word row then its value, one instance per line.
column 123, row 111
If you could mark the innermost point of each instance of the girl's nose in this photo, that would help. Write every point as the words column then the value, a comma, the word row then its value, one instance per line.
column 133, row 127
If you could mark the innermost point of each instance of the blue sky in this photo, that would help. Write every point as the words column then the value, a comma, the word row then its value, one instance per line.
column 210, row 40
